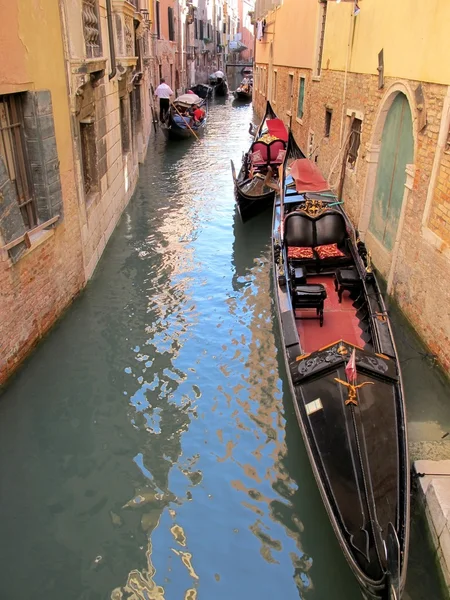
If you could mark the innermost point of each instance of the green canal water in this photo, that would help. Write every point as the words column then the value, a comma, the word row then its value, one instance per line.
column 149, row 447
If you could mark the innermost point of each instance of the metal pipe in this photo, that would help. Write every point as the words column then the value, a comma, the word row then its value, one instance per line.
column 112, row 53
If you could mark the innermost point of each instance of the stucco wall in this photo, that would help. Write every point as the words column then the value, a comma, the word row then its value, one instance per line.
column 413, row 35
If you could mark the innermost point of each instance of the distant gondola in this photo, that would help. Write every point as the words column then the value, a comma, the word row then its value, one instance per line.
column 175, row 127
column 267, row 150
column 221, row 87
column 244, row 92
column 203, row 90
column 344, row 375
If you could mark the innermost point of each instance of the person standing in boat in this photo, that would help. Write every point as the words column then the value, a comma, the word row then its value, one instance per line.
column 163, row 92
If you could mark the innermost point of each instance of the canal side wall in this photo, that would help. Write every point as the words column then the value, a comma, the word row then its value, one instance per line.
column 409, row 236
column 41, row 274
column 434, row 494
column 84, row 125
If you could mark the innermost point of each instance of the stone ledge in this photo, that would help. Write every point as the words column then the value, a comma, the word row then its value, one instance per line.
column 434, row 489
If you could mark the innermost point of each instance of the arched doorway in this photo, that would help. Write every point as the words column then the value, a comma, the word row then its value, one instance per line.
column 396, row 152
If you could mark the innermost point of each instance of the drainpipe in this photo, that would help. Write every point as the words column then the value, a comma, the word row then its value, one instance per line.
column 112, row 53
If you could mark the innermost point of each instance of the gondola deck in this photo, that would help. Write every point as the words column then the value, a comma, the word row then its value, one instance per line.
column 339, row 319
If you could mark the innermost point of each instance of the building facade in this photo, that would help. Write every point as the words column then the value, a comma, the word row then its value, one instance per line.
column 75, row 121
column 376, row 121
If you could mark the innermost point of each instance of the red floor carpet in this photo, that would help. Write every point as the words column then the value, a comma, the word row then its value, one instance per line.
column 339, row 320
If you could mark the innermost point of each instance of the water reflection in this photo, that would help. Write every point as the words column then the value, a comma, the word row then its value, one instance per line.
column 150, row 448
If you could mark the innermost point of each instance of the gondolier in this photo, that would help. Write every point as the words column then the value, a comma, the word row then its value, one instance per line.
column 163, row 92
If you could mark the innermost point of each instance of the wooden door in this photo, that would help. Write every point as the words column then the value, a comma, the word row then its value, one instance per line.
column 397, row 150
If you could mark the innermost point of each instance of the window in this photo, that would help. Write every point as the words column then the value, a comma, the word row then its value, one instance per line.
column 13, row 153
column 328, row 115
column 355, row 140
column 124, row 124
column 201, row 29
column 89, row 157
column 195, row 29
column 290, row 93
column 158, row 21
column 224, row 28
column 447, row 143
column 274, row 90
column 301, row 97
column 291, row 86
column 171, row 27
column 321, row 36
column 91, row 29
column 160, row 72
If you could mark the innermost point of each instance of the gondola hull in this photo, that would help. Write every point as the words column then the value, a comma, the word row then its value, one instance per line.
column 356, row 442
column 252, row 198
column 175, row 133
column 202, row 90
column 249, row 205
column 243, row 96
column 221, row 88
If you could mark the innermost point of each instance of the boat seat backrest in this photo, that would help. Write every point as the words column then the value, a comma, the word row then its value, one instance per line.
column 274, row 152
column 330, row 229
column 303, row 231
column 262, row 149
column 299, row 230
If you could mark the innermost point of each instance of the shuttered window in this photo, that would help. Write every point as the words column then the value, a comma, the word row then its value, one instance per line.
column 301, row 97
column 158, row 21
column 12, row 151
column 171, row 26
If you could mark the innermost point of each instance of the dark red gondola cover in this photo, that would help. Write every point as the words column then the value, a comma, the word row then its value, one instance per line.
column 307, row 176
column 278, row 129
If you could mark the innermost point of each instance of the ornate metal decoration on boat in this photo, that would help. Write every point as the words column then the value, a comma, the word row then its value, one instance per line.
column 313, row 207
column 351, row 399
column 313, row 406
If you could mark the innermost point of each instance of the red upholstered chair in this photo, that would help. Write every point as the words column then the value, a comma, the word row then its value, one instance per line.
column 259, row 154
column 277, row 151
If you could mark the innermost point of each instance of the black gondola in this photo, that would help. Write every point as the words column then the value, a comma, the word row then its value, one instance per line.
column 252, row 193
column 344, row 376
column 203, row 90
column 221, row 87
column 175, row 127
column 244, row 92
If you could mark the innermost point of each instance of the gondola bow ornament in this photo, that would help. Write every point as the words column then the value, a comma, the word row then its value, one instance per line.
column 350, row 371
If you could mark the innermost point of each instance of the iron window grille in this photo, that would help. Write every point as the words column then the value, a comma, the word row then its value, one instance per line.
column 13, row 152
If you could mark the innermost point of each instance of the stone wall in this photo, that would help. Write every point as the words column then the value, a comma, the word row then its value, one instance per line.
column 418, row 268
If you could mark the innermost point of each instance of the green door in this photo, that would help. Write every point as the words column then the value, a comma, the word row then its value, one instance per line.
column 397, row 150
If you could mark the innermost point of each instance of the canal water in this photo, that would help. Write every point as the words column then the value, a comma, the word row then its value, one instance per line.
column 149, row 448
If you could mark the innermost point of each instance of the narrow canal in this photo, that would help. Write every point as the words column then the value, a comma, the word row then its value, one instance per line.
column 149, row 448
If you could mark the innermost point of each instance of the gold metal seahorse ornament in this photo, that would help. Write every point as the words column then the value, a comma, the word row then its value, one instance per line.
column 351, row 373
column 352, row 390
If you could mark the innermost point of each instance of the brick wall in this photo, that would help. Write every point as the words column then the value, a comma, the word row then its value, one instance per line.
column 35, row 290
column 439, row 219
column 418, row 269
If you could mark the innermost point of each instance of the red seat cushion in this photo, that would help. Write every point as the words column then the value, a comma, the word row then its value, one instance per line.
column 262, row 149
column 328, row 251
column 300, row 252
